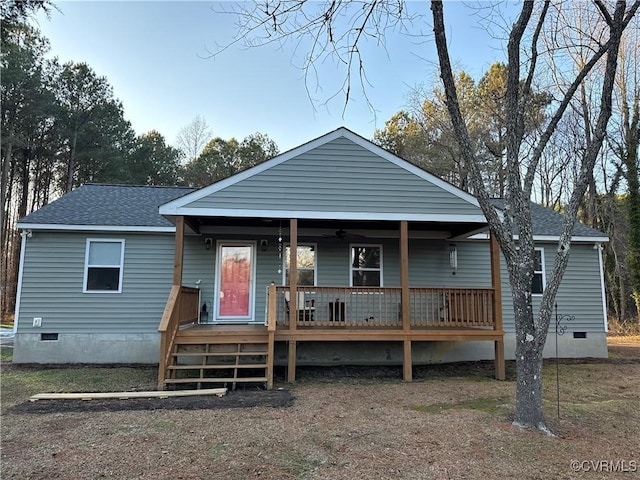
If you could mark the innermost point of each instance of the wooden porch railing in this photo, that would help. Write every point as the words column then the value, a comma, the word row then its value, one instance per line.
column 454, row 307
column 181, row 309
column 381, row 307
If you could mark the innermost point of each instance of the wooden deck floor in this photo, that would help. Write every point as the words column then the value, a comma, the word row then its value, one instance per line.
column 340, row 333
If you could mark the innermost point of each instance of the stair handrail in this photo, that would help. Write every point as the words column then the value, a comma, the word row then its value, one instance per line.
column 179, row 310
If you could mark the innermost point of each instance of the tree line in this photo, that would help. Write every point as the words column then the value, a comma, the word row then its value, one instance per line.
column 62, row 126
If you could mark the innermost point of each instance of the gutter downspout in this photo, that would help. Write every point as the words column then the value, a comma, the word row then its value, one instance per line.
column 598, row 246
column 24, row 235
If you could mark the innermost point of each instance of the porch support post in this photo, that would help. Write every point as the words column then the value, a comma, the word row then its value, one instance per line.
column 291, row 368
column 496, row 284
column 179, row 251
column 407, row 367
column 407, row 364
column 404, row 275
column 271, row 332
column 293, row 274
column 293, row 297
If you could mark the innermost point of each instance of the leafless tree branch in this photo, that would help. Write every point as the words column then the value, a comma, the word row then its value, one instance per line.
column 338, row 30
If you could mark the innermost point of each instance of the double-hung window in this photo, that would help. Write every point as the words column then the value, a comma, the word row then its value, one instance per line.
column 366, row 265
column 539, row 281
column 306, row 264
column 103, row 266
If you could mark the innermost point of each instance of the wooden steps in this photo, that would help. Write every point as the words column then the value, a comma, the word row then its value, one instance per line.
column 213, row 380
column 212, row 354
column 215, row 367
column 224, row 356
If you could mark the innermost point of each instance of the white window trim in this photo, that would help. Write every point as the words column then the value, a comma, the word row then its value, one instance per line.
column 543, row 271
column 351, row 269
column 86, row 264
column 284, row 262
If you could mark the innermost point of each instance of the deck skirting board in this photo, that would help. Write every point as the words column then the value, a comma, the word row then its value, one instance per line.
column 345, row 335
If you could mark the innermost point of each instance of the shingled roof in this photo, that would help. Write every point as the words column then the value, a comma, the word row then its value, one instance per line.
column 549, row 223
column 95, row 205
column 108, row 205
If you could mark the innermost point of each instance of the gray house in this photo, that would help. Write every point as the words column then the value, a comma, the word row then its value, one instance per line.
column 335, row 252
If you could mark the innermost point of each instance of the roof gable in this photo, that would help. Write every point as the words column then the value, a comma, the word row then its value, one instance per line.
column 339, row 175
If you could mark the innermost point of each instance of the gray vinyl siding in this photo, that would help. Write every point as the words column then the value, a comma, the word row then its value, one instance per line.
column 429, row 264
column 53, row 282
column 334, row 257
column 337, row 176
column 579, row 294
column 54, row 270
column 198, row 264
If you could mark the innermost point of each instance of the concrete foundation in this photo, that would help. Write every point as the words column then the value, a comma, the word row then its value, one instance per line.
column 141, row 348
column 424, row 353
column 144, row 348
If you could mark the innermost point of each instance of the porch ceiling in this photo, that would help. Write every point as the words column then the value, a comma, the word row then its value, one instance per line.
column 324, row 227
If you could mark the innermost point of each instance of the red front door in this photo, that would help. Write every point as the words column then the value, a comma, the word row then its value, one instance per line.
column 235, row 281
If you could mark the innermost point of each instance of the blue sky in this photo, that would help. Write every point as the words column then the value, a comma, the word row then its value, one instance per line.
column 155, row 55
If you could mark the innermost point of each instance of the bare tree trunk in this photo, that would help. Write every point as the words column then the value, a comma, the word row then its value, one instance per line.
column 531, row 333
column 5, row 187
column 529, row 412
column 13, row 250
column 622, row 289
column 5, row 227
column 632, row 140
column 72, row 162
column 590, row 200
column 633, row 251
column 24, row 183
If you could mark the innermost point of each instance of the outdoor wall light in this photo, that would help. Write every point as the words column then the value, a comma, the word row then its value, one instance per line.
column 208, row 243
column 264, row 244
column 453, row 256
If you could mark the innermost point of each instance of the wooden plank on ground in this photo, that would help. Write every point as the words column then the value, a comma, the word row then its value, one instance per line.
column 126, row 395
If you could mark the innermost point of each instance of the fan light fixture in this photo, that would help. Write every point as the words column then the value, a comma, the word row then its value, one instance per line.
column 453, row 256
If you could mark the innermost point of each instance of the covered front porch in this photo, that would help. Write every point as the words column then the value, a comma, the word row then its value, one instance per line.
column 295, row 313
column 334, row 240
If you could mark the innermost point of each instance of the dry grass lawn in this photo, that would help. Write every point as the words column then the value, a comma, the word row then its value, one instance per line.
column 453, row 422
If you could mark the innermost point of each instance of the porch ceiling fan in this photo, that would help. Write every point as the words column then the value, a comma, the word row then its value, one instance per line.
column 342, row 234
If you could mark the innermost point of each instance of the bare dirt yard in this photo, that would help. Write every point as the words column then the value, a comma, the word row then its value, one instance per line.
column 452, row 422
